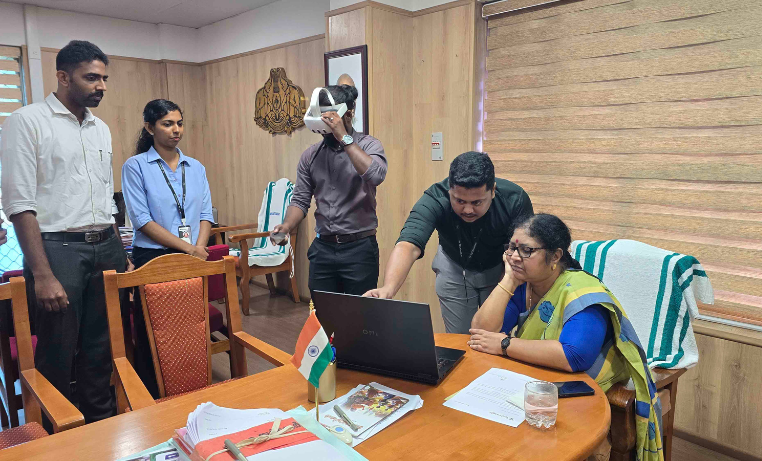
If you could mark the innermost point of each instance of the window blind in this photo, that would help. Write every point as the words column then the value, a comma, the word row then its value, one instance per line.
column 639, row 119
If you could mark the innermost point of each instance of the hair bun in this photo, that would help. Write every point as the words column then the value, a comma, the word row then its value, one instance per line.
column 353, row 91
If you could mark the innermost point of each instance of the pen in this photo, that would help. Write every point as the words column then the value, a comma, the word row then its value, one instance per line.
column 346, row 419
column 232, row 448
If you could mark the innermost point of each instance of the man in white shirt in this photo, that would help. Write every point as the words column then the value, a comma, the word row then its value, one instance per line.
column 57, row 190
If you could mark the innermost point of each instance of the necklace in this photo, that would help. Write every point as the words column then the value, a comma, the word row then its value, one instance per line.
column 530, row 296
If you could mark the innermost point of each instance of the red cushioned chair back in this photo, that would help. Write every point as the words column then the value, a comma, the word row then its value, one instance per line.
column 217, row 282
column 178, row 327
column 7, row 275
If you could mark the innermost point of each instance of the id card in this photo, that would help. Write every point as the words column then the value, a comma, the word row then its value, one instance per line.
column 184, row 232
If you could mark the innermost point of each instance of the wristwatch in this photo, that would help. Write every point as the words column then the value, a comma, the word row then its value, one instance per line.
column 505, row 343
column 347, row 140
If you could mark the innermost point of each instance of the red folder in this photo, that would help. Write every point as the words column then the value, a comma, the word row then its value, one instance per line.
column 208, row 447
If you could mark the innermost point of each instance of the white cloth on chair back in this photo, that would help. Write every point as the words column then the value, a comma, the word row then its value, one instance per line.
column 274, row 204
column 657, row 289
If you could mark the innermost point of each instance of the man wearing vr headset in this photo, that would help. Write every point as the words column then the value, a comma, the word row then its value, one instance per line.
column 342, row 173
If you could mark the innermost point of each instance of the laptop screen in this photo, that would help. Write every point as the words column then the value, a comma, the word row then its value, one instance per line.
column 379, row 334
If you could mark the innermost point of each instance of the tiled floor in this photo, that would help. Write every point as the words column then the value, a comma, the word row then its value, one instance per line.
column 682, row 450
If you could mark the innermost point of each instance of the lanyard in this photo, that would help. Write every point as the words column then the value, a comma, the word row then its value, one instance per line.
column 460, row 251
column 473, row 248
column 180, row 208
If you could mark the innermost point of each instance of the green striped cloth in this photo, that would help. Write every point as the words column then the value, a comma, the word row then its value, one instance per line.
column 276, row 199
column 658, row 291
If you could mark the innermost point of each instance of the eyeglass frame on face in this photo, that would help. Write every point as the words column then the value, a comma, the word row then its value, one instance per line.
column 521, row 249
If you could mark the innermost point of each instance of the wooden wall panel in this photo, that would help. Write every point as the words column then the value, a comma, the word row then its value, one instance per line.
column 422, row 78
column 639, row 119
column 718, row 400
column 132, row 83
column 186, row 85
column 241, row 158
column 346, row 30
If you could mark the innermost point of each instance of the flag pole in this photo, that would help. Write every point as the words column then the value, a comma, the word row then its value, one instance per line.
column 317, row 388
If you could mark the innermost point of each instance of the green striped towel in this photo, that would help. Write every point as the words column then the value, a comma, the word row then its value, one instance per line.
column 658, row 291
column 274, row 203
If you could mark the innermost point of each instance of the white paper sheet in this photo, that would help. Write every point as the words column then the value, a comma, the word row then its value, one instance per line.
column 330, row 418
column 493, row 396
column 317, row 450
column 208, row 421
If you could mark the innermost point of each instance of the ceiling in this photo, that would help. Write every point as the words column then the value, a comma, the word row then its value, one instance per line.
column 188, row 13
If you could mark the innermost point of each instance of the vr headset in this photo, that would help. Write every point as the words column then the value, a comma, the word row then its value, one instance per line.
column 313, row 120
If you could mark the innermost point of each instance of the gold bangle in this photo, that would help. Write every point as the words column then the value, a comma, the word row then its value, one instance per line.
column 505, row 289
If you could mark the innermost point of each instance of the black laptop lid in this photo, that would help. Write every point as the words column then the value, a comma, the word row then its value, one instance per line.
column 381, row 334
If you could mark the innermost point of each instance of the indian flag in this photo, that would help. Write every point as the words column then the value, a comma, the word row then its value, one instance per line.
column 313, row 352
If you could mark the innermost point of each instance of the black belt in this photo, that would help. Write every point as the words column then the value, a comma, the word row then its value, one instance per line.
column 80, row 237
column 346, row 238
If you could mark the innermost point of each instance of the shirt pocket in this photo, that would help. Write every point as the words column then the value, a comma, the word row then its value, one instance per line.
column 99, row 164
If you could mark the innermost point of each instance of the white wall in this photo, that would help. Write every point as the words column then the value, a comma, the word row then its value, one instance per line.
column 269, row 25
column 55, row 28
column 178, row 43
column 114, row 36
column 12, row 24
column 273, row 24
column 410, row 5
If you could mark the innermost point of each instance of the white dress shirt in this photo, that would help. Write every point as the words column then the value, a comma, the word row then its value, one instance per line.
column 57, row 168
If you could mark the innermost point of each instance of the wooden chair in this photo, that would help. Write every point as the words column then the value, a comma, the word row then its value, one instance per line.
column 246, row 272
column 216, row 292
column 622, row 402
column 36, row 391
column 12, row 403
column 173, row 291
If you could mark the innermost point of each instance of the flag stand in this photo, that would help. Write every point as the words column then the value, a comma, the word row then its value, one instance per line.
column 317, row 403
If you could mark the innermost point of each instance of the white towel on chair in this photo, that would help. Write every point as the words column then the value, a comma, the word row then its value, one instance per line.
column 277, row 198
column 658, row 291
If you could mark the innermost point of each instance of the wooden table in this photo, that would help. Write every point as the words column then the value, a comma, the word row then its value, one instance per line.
column 433, row 432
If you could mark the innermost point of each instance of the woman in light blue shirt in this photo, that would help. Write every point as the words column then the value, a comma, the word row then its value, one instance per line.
column 166, row 192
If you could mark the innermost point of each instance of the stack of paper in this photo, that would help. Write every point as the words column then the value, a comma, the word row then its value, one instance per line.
column 208, row 421
column 370, row 416
column 497, row 395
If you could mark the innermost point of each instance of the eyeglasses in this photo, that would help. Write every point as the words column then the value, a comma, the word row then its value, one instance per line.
column 524, row 251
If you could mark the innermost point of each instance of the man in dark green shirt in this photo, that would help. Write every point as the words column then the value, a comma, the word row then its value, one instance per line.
column 474, row 215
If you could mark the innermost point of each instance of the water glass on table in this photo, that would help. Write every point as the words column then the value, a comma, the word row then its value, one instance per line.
column 541, row 404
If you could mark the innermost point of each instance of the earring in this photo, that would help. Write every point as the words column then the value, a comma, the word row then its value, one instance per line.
column 554, row 266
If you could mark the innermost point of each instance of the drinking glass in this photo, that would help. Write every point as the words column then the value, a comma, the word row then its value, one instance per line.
column 541, row 403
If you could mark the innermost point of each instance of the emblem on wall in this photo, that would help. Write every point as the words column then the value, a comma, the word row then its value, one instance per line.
column 280, row 105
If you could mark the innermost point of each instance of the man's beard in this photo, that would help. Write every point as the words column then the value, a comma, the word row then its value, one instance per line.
column 330, row 140
column 89, row 99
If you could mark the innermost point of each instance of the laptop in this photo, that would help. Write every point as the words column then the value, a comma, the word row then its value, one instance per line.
column 384, row 336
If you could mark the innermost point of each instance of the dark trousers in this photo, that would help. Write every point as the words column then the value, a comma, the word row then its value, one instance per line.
column 78, row 337
column 344, row 267
column 143, row 359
